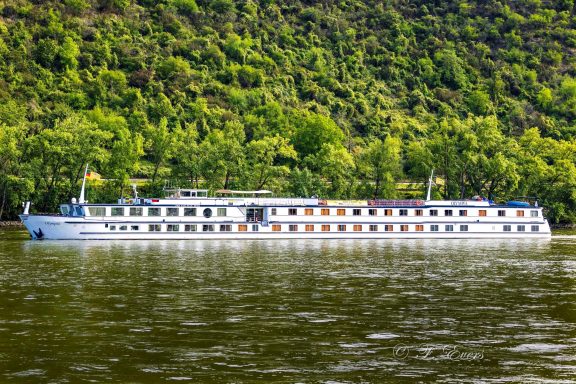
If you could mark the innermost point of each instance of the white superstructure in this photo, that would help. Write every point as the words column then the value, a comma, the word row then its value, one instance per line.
column 191, row 214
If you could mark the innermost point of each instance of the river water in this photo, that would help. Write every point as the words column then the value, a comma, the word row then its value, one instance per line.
column 316, row 311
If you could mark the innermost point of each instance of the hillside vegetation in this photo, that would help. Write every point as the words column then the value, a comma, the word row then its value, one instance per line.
column 339, row 99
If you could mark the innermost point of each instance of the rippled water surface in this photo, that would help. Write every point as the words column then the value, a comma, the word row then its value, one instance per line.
column 317, row 311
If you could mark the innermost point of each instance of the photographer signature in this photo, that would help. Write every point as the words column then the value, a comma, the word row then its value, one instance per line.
column 431, row 351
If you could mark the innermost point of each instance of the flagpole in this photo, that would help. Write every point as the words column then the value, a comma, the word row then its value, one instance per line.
column 81, row 199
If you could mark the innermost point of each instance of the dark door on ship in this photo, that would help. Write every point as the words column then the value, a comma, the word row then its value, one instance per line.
column 254, row 215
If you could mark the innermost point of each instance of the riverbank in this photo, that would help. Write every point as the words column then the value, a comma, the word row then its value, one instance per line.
column 563, row 226
column 11, row 224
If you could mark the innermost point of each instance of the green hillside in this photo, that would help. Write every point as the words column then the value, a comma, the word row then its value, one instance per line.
column 339, row 99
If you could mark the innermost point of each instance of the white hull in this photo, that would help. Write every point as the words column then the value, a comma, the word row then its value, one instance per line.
column 68, row 228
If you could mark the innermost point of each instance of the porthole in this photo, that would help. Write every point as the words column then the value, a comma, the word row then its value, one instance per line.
column 207, row 213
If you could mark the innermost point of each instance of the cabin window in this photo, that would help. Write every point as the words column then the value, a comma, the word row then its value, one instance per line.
column 520, row 213
column 449, row 228
column 507, row 228
column 79, row 211
column 117, row 211
column 134, row 227
column 447, row 212
column 419, row 228
column 325, row 228
column 434, row 228
column 387, row 212
column 97, row 211
column 207, row 213
column 357, row 228
column 418, row 212
column 309, row 228
column 112, row 227
column 464, row 228
column 535, row 228
column 273, row 211
column 153, row 211
column 292, row 212
column 136, row 211
column 341, row 227
column 389, row 228
column 242, row 228
column 190, row 228
column 501, row 212
column 356, row 212
column 293, row 228
column 276, row 227
column 225, row 228
column 308, row 211
column 221, row 211
column 325, row 211
column 482, row 212
column 521, row 228
column 341, row 212
column 207, row 228
column 433, row 212
column 533, row 213
column 171, row 211
column 154, row 228
column 64, row 210
column 189, row 211
column 463, row 212
column 255, row 228
column 372, row 212
column 172, row 228
column 403, row 212
column 404, row 228
column 373, row 228
column 123, row 227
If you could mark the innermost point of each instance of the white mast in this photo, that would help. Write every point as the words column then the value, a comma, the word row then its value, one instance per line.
column 430, row 186
column 81, row 198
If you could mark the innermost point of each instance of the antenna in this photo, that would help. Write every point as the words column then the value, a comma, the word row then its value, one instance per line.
column 430, row 182
column 81, row 198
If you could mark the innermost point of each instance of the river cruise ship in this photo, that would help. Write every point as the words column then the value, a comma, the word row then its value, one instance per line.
column 192, row 214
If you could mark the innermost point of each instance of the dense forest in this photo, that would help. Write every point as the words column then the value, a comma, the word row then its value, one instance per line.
column 341, row 99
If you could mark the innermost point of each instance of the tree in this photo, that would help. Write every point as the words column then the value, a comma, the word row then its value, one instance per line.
column 125, row 147
column 160, row 145
column 313, row 131
column 380, row 163
column 11, row 138
column 59, row 155
column 264, row 159
column 223, row 155
column 187, row 154
column 335, row 165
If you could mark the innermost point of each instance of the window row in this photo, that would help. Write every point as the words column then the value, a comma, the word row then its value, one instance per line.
column 306, row 227
column 182, row 227
column 400, row 212
column 521, row 228
column 155, row 211
column 371, row 227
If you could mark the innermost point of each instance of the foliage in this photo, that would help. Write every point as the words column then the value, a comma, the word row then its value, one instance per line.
column 339, row 99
